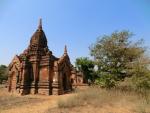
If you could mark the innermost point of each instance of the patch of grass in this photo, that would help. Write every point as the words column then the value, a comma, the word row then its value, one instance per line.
column 79, row 99
column 142, row 106
column 9, row 100
column 99, row 98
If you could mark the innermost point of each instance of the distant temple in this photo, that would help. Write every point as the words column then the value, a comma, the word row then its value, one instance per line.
column 37, row 71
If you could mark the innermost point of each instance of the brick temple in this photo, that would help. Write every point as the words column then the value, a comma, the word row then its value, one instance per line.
column 38, row 71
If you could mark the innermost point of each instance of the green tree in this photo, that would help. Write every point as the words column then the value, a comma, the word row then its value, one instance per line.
column 117, row 56
column 3, row 73
column 86, row 66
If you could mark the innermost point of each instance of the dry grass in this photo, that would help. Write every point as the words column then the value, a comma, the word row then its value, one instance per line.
column 14, row 103
column 86, row 100
column 95, row 100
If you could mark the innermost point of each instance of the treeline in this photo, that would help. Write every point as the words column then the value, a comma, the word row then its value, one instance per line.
column 3, row 73
column 117, row 58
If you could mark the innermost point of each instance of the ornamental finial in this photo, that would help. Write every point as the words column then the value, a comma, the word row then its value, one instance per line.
column 40, row 24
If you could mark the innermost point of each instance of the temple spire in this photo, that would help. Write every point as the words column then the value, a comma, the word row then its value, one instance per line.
column 65, row 50
column 40, row 24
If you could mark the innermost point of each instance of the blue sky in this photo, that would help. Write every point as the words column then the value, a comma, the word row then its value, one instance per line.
column 75, row 23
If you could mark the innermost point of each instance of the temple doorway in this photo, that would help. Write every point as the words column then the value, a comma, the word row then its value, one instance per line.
column 64, row 82
column 12, row 86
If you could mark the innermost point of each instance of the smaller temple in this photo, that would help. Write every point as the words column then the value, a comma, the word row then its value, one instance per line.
column 38, row 71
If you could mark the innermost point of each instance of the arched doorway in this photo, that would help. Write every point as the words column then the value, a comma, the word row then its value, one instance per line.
column 65, row 87
column 12, row 86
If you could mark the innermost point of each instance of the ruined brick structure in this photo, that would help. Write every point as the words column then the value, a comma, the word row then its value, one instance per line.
column 37, row 71
column 77, row 77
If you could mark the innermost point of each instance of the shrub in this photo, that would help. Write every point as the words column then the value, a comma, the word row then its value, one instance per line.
column 106, row 81
column 142, row 83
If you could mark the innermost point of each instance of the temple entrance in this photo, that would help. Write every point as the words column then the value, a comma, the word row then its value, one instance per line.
column 12, row 86
column 64, row 82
